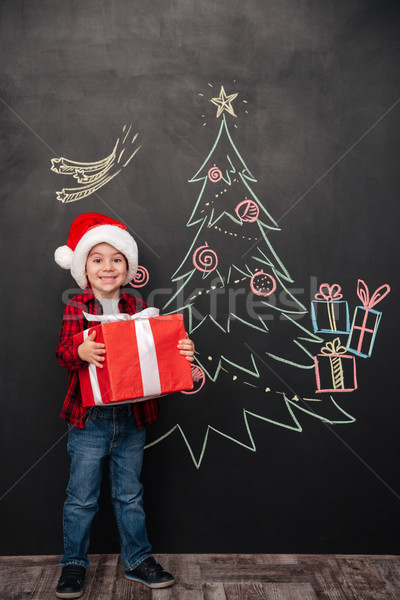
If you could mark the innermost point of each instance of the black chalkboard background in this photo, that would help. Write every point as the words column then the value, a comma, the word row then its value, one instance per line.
column 320, row 136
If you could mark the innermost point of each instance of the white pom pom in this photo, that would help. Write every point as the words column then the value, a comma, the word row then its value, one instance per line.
column 63, row 257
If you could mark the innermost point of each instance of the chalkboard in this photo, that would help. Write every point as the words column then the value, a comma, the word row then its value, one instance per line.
column 251, row 148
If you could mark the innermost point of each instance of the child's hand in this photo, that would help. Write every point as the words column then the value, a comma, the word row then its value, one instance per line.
column 186, row 348
column 92, row 352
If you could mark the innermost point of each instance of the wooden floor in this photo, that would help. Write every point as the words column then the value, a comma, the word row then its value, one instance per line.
column 216, row 577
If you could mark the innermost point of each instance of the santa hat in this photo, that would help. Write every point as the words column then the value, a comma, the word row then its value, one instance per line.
column 87, row 231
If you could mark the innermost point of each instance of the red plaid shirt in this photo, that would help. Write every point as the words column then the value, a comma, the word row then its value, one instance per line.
column 73, row 322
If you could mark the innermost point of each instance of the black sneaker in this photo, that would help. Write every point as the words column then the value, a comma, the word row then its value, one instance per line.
column 150, row 573
column 70, row 584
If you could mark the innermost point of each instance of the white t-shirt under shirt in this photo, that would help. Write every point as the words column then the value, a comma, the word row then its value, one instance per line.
column 110, row 306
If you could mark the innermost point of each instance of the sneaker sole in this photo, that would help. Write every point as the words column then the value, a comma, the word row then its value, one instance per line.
column 69, row 595
column 154, row 586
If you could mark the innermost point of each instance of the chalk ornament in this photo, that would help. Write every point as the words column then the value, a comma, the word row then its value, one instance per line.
column 262, row 284
column 199, row 378
column 214, row 174
column 247, row 211
column 141, row 278
column 205, row 259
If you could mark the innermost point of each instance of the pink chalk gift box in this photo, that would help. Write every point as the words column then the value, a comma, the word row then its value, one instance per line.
column 335, row 371
column 141, row 361
column 366, row 320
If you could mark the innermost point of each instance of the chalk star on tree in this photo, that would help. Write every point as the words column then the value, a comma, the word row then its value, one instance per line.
column 224, row 102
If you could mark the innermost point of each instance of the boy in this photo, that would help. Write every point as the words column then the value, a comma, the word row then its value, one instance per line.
column 103, row 257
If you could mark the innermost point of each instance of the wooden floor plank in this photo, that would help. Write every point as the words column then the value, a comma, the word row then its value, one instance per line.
column 16, row 582
column 245, row 591
column 48, row 582
column 240, row 571
column 101, row 577
column 214, row 591
column 389, row 570
column 363, row 581
column 269, row 591
column 124, row 589
column 184, row 567
column 323, row 575
column 215, row 577
column 275, row 559
column 30, row 561
column 258, row 559
column 264, row 559
column 186, row 571
column 178, row 592
column 289, row 591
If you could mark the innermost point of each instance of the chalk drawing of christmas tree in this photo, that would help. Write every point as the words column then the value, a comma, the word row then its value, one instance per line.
column 254, row 351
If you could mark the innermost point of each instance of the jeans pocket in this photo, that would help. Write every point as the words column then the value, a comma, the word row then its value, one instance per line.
column 91, row 414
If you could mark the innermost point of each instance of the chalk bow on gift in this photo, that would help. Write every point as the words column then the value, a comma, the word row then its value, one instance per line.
column 363, row 293
column 329, row 292
column 334, row 347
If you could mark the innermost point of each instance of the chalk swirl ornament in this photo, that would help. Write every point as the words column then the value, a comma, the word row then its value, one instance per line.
column 247, row 211
column 262, row 284
column 214, row 174
column 205, row 259
column 141, row 278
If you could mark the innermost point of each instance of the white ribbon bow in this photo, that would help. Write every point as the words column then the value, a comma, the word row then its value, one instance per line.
column 147, row 313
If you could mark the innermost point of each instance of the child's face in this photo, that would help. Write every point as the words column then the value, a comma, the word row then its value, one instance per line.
column 106, row 270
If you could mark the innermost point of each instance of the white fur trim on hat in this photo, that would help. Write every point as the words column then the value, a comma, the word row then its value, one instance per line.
column 110, row 234
column 63, row 257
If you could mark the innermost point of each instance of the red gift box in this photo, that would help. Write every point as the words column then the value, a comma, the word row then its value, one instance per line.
column 141, row 361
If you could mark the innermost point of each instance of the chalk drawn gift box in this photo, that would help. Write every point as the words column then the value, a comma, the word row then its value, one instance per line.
column 335, row 371
column 330, row 314
column 366, row 320
column 141, row 360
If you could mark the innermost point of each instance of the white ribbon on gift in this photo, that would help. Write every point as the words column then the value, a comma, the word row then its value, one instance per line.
column 146, row 349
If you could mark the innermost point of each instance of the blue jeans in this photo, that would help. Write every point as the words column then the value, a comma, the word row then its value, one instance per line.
column 109, row 432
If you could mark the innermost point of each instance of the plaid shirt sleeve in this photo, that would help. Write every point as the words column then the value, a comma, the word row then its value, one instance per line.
column 72, row 323
column 73, row 410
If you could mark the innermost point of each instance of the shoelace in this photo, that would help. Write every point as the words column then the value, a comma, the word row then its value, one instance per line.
column 157, row 568
column 73, row 573
column 153, row 567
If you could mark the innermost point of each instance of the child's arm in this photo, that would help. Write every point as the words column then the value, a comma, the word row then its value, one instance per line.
column 186, row 348
column 69, row 354
column 91, row 351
